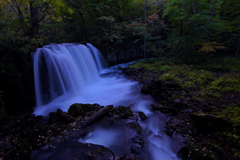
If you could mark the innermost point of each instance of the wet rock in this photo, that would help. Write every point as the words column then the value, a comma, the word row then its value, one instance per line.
column 79, row 109
column 137, row 150
column 138, row 140
column 129, row 156
column 142, row 116
column 121, row 112
column 135, row 126
column 73, row 150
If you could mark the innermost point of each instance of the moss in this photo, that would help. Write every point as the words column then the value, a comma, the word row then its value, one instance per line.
column 149, row 65
column 165, row 68
column 200, row 77
column 226, row 83
column 206, row 93
column 169, row 77
column 231, row 112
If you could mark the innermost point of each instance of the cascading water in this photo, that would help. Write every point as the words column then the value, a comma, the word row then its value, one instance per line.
column 69, row 73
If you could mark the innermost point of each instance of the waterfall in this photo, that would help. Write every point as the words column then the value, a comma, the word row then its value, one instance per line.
column 64, row 68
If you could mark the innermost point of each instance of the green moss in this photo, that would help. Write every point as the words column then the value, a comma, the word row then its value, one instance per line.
column 165, row 68
column 170, row 77
column 226, row 83
column 149, row 65
column 200, row 77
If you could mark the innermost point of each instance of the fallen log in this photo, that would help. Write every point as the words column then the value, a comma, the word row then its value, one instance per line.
column 97, row 115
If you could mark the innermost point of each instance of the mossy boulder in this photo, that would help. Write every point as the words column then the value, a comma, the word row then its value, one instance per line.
column 79, row 109
column 121, row 112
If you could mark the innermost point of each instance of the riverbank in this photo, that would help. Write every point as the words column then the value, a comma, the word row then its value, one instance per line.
column 203, row 101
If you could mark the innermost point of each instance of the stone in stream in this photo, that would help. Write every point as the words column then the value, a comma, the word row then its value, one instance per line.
column 138, row 140
column 79, row 109
column 135, row 126
column 137, row 150
column 142, row 116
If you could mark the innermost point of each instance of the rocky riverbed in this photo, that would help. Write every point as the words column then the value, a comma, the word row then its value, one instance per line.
column 25, row 136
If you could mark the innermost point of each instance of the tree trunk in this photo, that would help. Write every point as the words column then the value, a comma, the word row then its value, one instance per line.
column 145, row 32
column 211, row 20
column 34, row 18
column 238, row 45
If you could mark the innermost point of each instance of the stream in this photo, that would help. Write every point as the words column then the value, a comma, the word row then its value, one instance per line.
column 73, row 73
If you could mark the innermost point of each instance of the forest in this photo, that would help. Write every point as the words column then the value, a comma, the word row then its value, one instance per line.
column 189, row 46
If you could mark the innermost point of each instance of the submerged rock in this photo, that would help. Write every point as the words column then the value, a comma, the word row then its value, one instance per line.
column 135, row 126
column 138, row 140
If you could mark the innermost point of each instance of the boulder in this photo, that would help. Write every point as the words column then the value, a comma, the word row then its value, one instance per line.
column 79, row 109
column 121, row 112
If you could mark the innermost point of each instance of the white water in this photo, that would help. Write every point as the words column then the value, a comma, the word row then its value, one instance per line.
column 69, row 73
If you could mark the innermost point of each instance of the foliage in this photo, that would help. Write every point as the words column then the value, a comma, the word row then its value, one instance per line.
column 170, row 77
column 165, row 68
column 226, row 83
